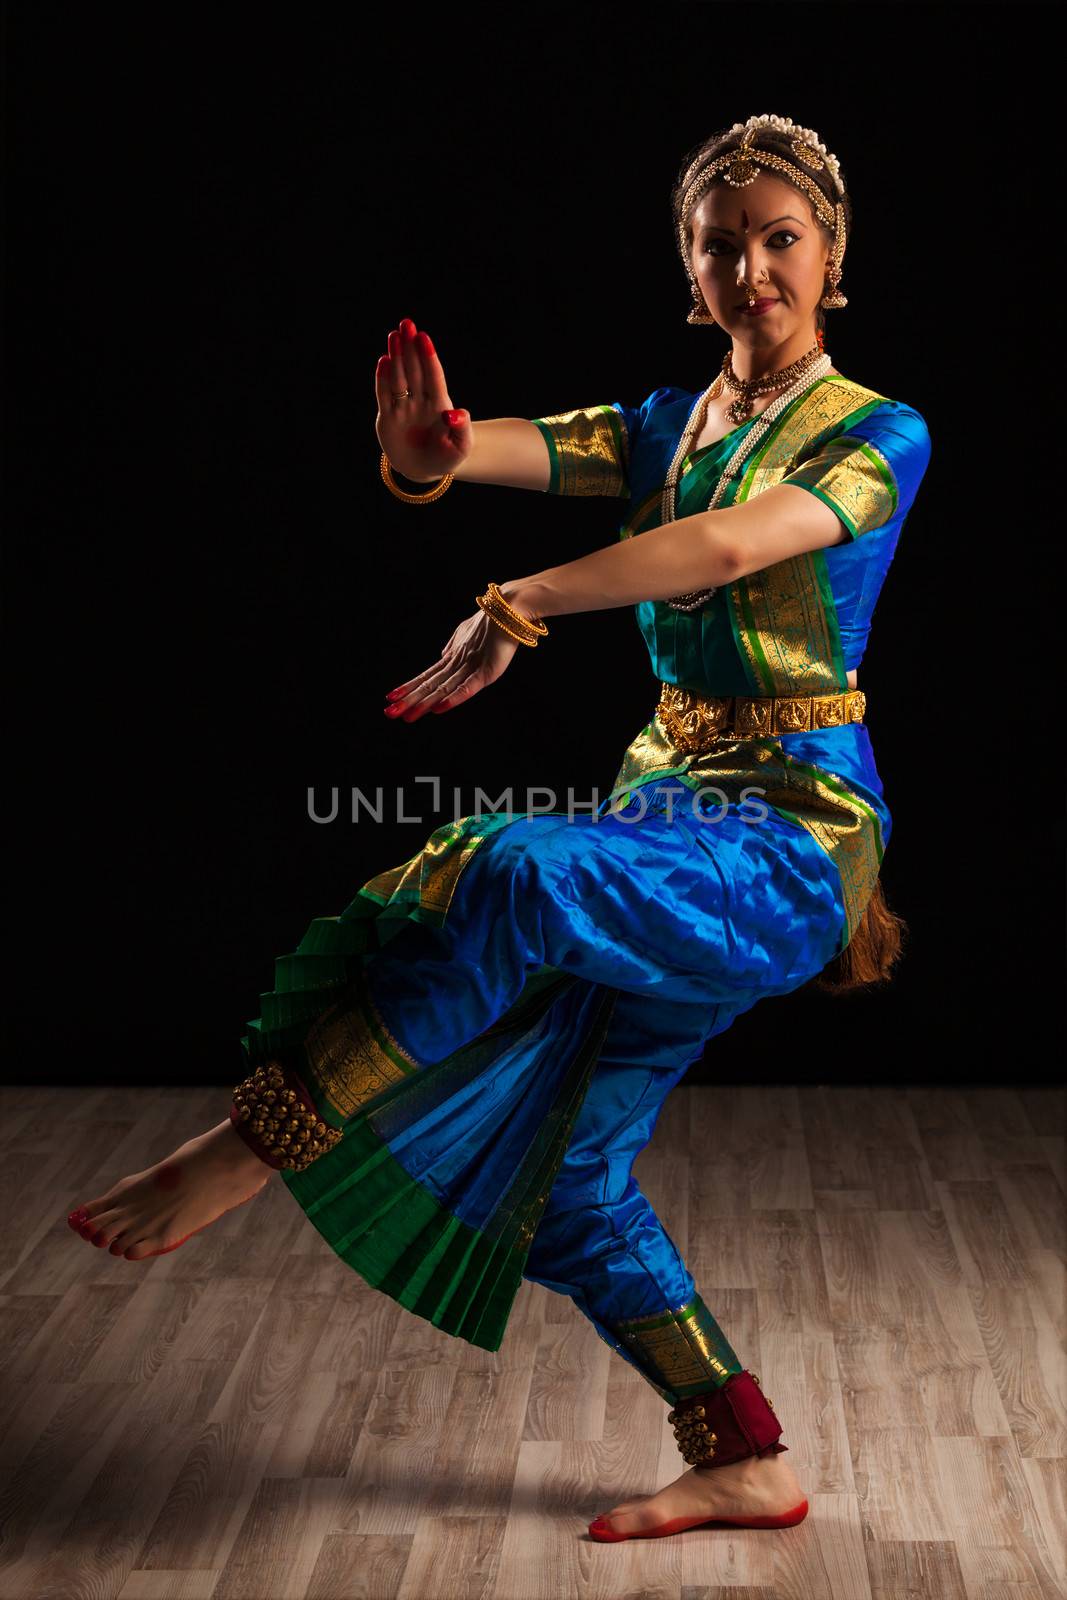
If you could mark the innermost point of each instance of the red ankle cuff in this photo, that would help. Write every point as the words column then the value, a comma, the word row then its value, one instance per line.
column 727, row 1424
column 278, row 1120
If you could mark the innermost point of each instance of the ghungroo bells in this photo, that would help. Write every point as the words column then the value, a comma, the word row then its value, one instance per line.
column 273, row 1117
column 695, row 1439
column 726, row 1424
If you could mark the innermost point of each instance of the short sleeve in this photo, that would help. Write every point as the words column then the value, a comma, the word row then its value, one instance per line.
column 591, row 450
column 871, row 473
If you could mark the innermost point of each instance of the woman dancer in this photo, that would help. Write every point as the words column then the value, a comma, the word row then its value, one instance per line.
column 454, row 1075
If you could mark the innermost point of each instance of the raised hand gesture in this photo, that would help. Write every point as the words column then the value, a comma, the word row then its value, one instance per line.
column 421, row 433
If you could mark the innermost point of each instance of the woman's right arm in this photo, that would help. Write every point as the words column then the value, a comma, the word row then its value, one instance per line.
column 506, row 450
column 424, row 436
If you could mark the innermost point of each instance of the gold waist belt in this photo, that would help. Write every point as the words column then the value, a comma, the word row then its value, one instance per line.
column 692, row 720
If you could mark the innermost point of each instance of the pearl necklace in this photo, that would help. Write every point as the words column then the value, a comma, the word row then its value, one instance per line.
column 694, row 599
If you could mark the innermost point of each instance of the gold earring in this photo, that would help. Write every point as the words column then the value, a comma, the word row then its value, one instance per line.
column 700, row 313
column 832, row 298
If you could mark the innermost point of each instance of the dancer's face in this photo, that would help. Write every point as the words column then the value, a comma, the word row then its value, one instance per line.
column 764, row 235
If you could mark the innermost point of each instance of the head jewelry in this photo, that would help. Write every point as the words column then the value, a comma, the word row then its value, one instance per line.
column 740, row 167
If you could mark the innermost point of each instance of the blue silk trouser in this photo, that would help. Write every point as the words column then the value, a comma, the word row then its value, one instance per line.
column 684, row 923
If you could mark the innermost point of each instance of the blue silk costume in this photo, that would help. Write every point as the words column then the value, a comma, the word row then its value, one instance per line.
column 495, row 1023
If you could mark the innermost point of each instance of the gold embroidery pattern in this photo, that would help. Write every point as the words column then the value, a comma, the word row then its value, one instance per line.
column 591, row 449
column 856, row 854
column 788, row 641
column 781, row 614
column 682, row 1352
column 821, row 411
column 840, row 821
column 855, row 480
column 351, row 1055
column 433, row 872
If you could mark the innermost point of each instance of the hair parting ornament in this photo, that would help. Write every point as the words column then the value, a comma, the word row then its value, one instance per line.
column 741, row 165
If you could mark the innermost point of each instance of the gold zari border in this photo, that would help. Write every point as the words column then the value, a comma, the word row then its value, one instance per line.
column 840, row 821
column 350, row 1054
column 858, row 484
column 433, row 872
column 592, row 450
column 785, row 631
column 680, row 1351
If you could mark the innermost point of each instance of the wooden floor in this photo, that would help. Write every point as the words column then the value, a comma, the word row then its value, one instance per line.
column 244, row 1417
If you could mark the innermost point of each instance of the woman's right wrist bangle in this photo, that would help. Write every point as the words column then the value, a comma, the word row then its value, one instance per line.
column 413, row 499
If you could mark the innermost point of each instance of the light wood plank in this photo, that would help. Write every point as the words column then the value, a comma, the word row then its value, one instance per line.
column 246, row 1419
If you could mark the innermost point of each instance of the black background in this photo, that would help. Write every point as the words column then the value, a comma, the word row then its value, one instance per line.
column 214, row 216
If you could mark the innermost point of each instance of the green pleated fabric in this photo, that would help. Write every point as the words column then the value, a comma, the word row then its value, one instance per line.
column 397, row 1231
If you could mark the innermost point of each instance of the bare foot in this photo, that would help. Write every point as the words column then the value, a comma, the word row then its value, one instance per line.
column 154, row 1211
column 756, row 1487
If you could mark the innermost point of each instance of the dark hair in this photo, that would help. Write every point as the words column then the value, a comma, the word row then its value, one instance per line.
column 767, row 138
column 871, row 954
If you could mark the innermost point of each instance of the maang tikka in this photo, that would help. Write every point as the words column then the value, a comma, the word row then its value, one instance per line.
column 740, row 167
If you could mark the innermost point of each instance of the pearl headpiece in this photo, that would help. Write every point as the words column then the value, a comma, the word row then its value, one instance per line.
column 740, row 167
column 814, row 153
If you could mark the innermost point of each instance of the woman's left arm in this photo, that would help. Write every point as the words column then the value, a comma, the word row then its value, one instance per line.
column 708, row 548
column 711, row 547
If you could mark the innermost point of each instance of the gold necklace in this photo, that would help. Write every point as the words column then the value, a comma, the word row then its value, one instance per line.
column 747, row 389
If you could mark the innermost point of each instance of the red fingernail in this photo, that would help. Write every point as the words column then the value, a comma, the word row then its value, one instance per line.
column 454, row 418
column 392, row 711
column 391, row 694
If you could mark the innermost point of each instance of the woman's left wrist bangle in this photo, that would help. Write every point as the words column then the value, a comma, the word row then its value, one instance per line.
column 523, row 629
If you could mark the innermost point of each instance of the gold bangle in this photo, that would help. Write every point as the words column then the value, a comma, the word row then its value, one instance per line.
column 524, row 630
column 502, row 625
column 413, row 499
column 504, row 619
column 534, row 624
